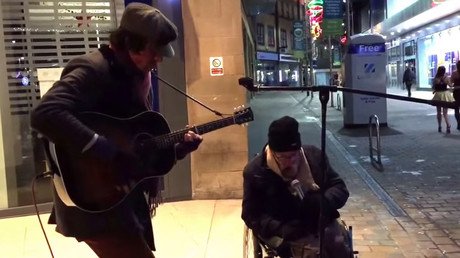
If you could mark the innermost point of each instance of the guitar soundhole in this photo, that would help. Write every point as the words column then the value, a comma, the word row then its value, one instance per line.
column 144, row 147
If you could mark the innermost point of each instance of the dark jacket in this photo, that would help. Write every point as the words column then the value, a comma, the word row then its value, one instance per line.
column 408, row 77
column 268, row 203
column 455, row 80
column 99, row 83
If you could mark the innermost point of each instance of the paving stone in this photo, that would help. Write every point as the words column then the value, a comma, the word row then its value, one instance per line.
column 442, row 240
column 449, row 248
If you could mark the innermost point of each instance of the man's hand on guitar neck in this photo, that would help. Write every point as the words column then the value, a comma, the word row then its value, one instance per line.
column 190, row 143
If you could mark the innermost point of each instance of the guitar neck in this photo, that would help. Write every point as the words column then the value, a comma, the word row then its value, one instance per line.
column 169, row 140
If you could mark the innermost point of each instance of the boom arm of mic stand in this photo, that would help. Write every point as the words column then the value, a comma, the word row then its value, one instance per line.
column 438, row 103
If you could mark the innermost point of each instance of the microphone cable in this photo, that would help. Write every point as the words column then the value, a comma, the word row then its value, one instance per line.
column 47, row 174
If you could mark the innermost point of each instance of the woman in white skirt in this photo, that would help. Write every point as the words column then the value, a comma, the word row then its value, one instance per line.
column 440, row 91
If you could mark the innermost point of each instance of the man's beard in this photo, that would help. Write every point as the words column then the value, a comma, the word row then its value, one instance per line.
column 289, row 172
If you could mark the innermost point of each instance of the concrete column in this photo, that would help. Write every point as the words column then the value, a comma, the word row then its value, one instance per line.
column 213, row 28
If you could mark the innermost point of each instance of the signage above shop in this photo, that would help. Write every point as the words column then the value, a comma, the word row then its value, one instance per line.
column 267, row 56
column 366, row 49
column 333, row 18
column 288, row 58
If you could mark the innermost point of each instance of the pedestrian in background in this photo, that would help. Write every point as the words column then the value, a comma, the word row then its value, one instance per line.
column 408, row 79
column 455, row 83
column 440, row 83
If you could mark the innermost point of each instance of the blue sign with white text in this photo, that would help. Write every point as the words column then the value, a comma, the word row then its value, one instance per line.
column 267, row 56
column 366, row 49
column 333, row 9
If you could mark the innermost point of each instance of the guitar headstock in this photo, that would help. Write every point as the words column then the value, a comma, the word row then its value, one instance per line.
column 243, row 115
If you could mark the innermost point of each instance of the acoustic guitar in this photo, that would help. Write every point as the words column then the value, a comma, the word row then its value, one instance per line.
column 96, row 185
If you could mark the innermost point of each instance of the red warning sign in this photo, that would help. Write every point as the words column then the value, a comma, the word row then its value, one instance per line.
column 216, row 65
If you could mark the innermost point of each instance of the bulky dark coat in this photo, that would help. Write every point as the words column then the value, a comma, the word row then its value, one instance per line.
column 268, row 204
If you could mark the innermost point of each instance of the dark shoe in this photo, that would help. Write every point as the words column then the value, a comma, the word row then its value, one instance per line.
column 439, row 129
column 448, row 129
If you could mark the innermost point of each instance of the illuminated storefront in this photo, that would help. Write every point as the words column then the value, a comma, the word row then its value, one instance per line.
column 438, row 49
column 38, row 35
column 422, row 35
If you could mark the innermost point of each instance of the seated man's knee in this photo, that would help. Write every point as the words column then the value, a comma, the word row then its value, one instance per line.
column 337, row 241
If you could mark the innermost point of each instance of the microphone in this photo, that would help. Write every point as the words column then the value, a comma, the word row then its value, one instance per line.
column 247, row 82
column 295, row 184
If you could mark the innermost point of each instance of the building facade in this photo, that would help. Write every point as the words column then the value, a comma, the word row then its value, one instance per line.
column 280, row 54
column 419, row 33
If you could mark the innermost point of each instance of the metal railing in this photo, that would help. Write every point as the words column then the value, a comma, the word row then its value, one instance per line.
column 377, row 149
column 339, row 102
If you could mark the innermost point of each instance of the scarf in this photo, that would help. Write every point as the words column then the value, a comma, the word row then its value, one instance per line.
column 303, row 170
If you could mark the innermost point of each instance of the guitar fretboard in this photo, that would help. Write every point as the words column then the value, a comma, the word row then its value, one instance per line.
column 168, row 140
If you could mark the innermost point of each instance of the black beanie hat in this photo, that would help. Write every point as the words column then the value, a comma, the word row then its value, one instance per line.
column 283, row 135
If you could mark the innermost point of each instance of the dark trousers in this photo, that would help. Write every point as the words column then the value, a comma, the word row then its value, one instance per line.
column 119, row 246
column 408, row 88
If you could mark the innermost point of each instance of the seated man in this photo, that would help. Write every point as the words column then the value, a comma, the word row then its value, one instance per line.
column 282, row 194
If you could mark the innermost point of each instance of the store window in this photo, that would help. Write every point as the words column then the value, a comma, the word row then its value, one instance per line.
column 435, row 50
column 260, row 34
column 283, row 38
column 39, row 35
column 271, row 36
column 286, row 10
column 266, row 73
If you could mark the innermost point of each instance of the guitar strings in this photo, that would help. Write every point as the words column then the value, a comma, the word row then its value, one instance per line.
column 162, row 140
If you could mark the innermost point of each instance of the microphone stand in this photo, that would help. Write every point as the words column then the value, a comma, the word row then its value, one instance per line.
column 324, row 98
column 324, row 91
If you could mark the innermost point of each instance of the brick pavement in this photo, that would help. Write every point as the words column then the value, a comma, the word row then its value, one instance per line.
column 419, row 173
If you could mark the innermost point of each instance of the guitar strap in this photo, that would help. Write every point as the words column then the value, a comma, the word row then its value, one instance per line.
column 53, row 164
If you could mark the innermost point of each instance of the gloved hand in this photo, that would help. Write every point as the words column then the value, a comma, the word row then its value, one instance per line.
column 102, row 149
column 311, row 210
column 312, row 201
column 293, row 230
